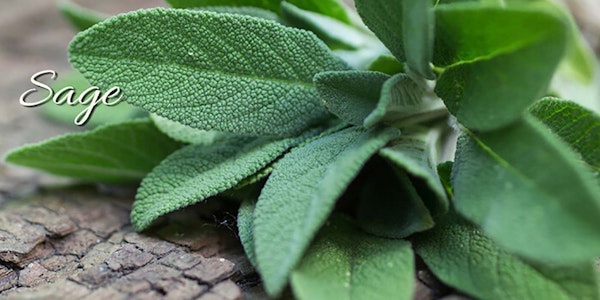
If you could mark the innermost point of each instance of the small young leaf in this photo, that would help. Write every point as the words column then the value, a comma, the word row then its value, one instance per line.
column 462, row 257
column 417, row 153
column 80, row 17
column 347, row 264
column 577, row 126
column 386, row 64
column 444, row 171
column 101, row 115
column 111, row 153
column 350, row 95
column 496, row 71
column 528, row 192
column 417, row 35
column 402, row 100
column 210, row 71
column 336, row 34
column 245, row 220
column 187, row 134
column 197, row 172
column 301, row 193
column 388, row 203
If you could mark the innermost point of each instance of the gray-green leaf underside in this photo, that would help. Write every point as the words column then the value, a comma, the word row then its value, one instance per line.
column 462, row 257
column 529, row 193
column 188, row 134
column 197, row 172
column 111, row 153
column 245, row 223
column 207, row 70
column 287, row 215
column 347, row 264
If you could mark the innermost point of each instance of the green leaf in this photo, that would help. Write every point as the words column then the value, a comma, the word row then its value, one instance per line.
column 577, row 126
column 111, row 153
column 102, row 114
column 350, row 95
column 245, row 219
column 209, row 71
column 187, row 134
column 272, row 5
column 331, row 8
column 386, row 64
column 244, row 10
column 405, row 27
column 80, row 17
column 197, row 172
column 528, row 192
column 418, row 153
column 336, row 34
column 347, row 264
column 496, row 72
column 462, row 257
column 417, row 35
column 388, row 204
column 444, row 171
column 300, row 194
column 403, row 102
column 384, row 18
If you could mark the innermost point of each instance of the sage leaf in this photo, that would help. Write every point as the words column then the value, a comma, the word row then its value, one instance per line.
column 245, row 220
column 417, row 35
column 111, row 153
column 388, row 204
column 528, row 193
column 387, row 64
column 187, row 134
column 462, row 257
column 384, row 18
column 418, row 153
column 272, row 5
column 336, row 34
column 347, row 264
column 332, row 8
column 350, row 95
column 244, row 10
column 577, row 126
column 80, row 17
column 402, row 101
column 210, row 71
column 445, row 172
column 197, row 172
column 495, row 72
column 300, row 194
column 101, row 115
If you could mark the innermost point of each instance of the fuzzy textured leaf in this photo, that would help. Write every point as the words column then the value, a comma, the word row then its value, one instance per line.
column 384, row 18
column 418, row 154
column 462, row 257
column 244, row 10
column 210, row 71
column 80, row 17
column 528, row 193
column 347, row 264
column 197, row 172
column 350, row 95
column 187, row 134
column 112, row 153
column 577, row 126
column 496, row 72
column 245, row 223
column 287, row 216
column 417, row 35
